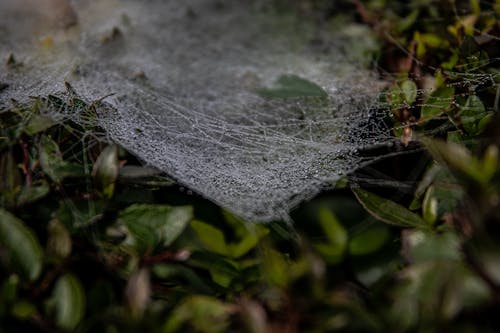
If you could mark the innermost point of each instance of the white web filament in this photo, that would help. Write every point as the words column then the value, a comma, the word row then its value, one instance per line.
column 228, row 98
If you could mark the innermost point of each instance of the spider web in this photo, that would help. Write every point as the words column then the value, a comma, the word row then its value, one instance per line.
column 228, row 98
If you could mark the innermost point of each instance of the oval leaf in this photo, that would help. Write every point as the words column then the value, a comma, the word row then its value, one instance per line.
column 369, row 241
column 24, row 250
column 34, row 192
column 106, row 170
column 388, row 211
column 334, row 249
column 152, row 225
column 437, row 103
column 292, row 86
column 211, row 237
column 471, row 113
column 409, row 89
column 203, row 313
column 50, row 158
column 69, row 301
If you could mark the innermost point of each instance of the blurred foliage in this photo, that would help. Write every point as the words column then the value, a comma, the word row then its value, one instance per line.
column 91, row 241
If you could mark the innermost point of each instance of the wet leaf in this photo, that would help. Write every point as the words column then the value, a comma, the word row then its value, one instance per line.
column 24, row 251
column 471, row 113
column 105, row 171
column 37, row 124
column 409, row 90
column 437, row 103
column 79, row 213
column 50, row 158
column 69, row 302
column 155, row 225
column 53, row 164
column 292, row 86
column 388, row 211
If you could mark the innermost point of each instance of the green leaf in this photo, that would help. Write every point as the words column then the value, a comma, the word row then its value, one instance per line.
column 435, row 291
column 211, row 237
column 471, row 113
column 333, row 251
column 437, row 103
column 23, row 248
column 142, row 238
column 441, row 197
column 78, row 213
column 203, row 314
column 10, row 179
column 292, row 86
column 388, row 211
column 483, row 122
column 247, row 243
column 52, row 162
column 10, row 287
column 23, row 310
column 50, row 158
column 454, row 136
column 69, row 300
column 433, row 40
column 106, row 169
column 490, row 161
column 59, row 242
column 185, row 274
column 223, row 272
column 409, row 90
column 427, row 246
column 428, row 178
column 457, row 158
column 395, row 96
column 406, row 22
column 369, row 240
column 247, row 235
column 34, row 192
column 37, row 124
column 430, row 207
column 139, row 175
column 274, row 267
column 154, row 225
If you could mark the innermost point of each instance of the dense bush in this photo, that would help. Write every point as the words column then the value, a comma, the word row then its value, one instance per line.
column 90, row 241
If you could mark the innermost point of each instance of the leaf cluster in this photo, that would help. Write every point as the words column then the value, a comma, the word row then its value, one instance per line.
column 92, row 241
